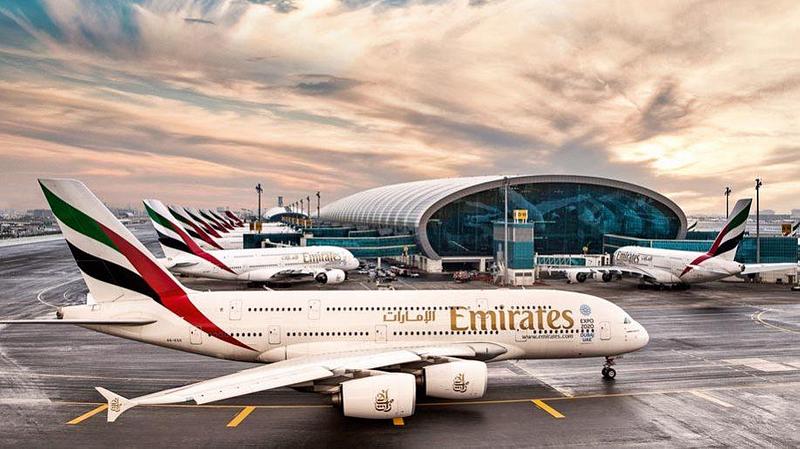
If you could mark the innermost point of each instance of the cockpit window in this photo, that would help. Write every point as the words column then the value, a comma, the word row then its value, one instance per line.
column 627, row 320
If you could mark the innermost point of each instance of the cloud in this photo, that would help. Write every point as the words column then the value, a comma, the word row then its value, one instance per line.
column 339, row 96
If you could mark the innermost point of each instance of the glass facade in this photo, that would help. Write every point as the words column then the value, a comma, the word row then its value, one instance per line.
column 369, row 247
column 572, row 216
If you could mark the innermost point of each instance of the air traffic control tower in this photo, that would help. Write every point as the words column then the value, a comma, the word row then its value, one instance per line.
column 518, row 236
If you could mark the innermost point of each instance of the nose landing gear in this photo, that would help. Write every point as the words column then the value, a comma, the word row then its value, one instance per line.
column 609, row 373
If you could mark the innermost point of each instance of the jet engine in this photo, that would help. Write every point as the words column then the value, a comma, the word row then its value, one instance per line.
column 576, row 276
column 331, row 276
column 384, row 396
column 465, row 379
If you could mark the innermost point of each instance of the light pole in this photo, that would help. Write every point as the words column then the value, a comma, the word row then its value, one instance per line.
column 758, row 221
column 308, row 201
column 317, row 205
column 505, row 231
column 727, row 198
column 259, row 190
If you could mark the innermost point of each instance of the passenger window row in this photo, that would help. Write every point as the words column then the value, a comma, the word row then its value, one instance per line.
column 274, row 309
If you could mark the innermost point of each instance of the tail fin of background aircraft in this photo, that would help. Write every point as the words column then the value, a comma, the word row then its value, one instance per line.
column 729, row 237
column 211, row 222
column 221, row 220
column 195, row 216
column 167, row 229
column 195, row 229
column 173, row 237
column 233, row 217
column 114, row 264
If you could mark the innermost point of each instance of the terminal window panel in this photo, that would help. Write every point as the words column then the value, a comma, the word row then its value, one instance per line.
column 577, row 215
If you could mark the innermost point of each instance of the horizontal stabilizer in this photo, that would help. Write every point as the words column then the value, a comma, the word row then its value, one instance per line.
column 82, row 322
column 752, row 268
column 116, row 403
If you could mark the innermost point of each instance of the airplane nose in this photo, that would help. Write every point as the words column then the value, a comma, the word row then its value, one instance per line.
column 645, row 336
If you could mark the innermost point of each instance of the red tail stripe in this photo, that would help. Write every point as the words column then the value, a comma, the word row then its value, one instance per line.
column 197, row 251
column 172, row 295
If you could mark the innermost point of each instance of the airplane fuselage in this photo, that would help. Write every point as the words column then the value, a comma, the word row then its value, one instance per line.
column 273, row 326
column 676, row 267
column 260, row 264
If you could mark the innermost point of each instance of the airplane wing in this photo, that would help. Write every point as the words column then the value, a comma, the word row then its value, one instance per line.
column 292, row 274
column 295, row 371
column 752, row 268
column 573, row 272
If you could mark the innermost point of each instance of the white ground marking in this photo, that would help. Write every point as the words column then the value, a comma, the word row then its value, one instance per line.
column 563, row 390
column 710, row 398
column 761, row 364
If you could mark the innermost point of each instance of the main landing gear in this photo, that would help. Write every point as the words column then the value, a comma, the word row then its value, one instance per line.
column 609, row 373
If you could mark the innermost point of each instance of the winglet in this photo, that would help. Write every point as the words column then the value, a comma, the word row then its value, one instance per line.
column 116, row 403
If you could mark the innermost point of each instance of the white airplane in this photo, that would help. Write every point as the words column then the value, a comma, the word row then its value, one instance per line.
column 367, row 350
column 324, row 264
column 665, row 267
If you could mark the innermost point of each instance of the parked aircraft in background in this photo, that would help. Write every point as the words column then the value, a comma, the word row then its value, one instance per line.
column 367, row 350
column 324, row 264
column 667, row 267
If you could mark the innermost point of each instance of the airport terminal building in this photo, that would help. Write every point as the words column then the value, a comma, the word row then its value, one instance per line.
column 452, row 219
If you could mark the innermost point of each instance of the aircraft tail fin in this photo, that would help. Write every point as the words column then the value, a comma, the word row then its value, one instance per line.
column 732, row 234
column 113, row 262
column 235, row 218
column 174, row 238
column 170, row 232
column 117, row 404
column 194, row 228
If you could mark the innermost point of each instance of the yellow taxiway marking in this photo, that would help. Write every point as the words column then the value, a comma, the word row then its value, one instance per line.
column 241, row 416
column 542, row 405
column 398, row 422
column 443, row 404
column 88, row 414
column 710, row 398
column 757, row 317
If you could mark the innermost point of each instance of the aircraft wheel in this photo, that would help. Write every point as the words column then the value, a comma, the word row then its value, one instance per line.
column 581, row 277
column 607, row 277
column 609, row 373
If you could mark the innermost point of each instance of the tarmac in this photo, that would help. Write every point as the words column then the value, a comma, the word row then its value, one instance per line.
column 722, row 369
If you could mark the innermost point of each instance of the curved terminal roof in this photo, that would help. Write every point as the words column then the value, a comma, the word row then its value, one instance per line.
column 409, row 205
column 275, row 213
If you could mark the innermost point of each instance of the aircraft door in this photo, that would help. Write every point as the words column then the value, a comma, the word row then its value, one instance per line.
column 274, row 335
column 235, row 311
column 196, row 336
column 313, row 309
column 380, row 333
column 605, row 330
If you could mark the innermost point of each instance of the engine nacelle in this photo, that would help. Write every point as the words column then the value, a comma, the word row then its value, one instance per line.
column 385, row 396
column 576, row 276
column 464, row 379
column 331, row 276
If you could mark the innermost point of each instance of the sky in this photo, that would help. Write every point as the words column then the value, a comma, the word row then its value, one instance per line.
column 194, row 102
